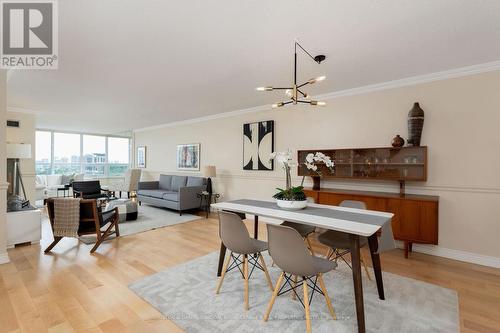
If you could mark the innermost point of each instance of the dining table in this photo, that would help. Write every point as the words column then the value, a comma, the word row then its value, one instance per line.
column 355, row 222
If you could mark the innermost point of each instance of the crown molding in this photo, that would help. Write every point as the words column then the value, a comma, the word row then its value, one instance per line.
column 409, row 81
column 206, row 118
column 414, row 80
column 23, row 110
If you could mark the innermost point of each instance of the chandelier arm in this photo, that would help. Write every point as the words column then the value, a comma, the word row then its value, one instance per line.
column 303, row 84
column 281, row 88
column 300, row 91
column 305, row 102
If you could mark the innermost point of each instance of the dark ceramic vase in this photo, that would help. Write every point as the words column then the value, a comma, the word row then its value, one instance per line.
column 398, row 141
column 415, row 125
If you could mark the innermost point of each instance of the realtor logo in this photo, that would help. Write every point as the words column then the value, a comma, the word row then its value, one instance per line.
column 29, row 34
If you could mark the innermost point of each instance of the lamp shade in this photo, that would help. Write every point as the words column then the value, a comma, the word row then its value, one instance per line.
column 209, row 171
column 18, row 150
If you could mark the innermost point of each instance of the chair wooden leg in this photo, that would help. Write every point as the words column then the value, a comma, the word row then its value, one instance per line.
column 310, row 246
column 363, row 261
column 275, row 293
column 245, row 271
column 268, row 278
column 223, row 273
column 327, row 298
column 306, row 305
column 328, row 253
column 102, row 237
column 294, row 284
column 117, row 228
column 54, row 243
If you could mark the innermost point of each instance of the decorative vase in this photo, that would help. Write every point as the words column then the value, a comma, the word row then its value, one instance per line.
column 398, row 141
column 415, row 124
column 316, row 183
column 291, row 204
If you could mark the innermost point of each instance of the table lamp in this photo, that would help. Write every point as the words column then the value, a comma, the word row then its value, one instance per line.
column 209, row 171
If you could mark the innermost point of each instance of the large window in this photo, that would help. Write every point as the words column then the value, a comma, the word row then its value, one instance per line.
column 93, row 155
column 66, row 153
column 43, row 152
column 118, row 155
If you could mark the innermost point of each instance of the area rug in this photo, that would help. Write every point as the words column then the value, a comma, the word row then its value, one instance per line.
column 149, row 218
column 185, row 294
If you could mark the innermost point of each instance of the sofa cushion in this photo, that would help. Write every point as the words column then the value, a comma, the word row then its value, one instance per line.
column 178, row 182
column 165, row 182
column 195, row 181
column 152, row 193
column 53, row 180
column 171, row 196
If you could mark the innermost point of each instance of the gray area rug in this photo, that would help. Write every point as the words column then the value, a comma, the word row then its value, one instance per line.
column 185, row 294
column 149, row 218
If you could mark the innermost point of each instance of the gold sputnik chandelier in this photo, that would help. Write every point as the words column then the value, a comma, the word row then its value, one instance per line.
column 296, row 93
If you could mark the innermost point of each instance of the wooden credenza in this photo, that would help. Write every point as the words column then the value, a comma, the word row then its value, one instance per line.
column 415, row 216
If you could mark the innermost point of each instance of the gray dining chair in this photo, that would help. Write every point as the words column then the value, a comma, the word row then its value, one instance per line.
column 236, row 238
column 290, row 254
column 304, row 230
column 339, row 243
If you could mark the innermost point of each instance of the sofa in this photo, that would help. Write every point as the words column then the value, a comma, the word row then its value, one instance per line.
column 173, row 192
column 46, row 185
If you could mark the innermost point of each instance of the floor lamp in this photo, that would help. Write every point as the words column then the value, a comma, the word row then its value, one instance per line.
column 15, row 152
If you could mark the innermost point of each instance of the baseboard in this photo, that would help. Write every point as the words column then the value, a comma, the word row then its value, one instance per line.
column 4, row 258
column 459, row 255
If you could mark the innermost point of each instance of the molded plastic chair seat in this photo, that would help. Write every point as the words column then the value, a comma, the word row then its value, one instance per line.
column 323, row 265
column 339, row 240
column 303, row 229
column 257, row 246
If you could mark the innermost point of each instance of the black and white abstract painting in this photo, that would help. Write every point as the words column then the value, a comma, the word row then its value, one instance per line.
column 258, row 144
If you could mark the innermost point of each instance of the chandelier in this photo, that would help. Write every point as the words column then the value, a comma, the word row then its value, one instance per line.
column 296, row 93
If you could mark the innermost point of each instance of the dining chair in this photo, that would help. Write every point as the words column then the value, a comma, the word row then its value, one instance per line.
column 290, row 254
column 339, row 243
column 304, row 230
column 236, row 238
column 92, row 221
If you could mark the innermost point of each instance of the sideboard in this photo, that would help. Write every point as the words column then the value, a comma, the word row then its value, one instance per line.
column 415, row 216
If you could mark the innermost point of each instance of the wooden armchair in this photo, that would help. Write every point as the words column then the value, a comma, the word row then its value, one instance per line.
column 91, row 222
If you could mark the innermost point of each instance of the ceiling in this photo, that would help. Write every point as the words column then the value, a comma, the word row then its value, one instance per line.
column 126, row 64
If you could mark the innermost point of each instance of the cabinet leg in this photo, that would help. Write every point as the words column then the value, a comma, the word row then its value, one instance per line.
column 410, row 247
column 407, row 246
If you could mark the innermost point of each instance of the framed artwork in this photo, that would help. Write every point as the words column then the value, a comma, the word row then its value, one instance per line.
column 188, row 157
column 258, row 144
column 141, row 156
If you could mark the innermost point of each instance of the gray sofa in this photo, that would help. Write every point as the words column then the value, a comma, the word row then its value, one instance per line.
column 174, row 192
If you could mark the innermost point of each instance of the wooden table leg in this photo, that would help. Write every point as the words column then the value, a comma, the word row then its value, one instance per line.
column 358, row 286
column 222, row 254
column 377, row 268
column 256, row 227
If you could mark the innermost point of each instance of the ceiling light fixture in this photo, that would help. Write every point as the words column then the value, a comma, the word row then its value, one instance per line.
column 296, row 90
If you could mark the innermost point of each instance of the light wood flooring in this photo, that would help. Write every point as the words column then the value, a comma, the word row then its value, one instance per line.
column 73, row 291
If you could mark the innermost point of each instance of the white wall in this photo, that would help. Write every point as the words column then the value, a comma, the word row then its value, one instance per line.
column 25, row 134
column 462, row 116
column 3, row 162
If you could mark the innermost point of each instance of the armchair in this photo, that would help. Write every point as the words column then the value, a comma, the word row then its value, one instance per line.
column 89, row 190
column 129, row 184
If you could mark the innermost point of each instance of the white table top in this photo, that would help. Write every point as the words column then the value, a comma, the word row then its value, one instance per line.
column 343, row 219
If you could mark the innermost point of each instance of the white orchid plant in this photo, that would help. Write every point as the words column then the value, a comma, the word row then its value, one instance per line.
column 311, row 163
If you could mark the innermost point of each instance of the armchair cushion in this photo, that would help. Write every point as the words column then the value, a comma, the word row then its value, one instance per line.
column 178, row 182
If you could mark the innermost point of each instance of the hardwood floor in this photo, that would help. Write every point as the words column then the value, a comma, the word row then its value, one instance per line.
column 73, row 291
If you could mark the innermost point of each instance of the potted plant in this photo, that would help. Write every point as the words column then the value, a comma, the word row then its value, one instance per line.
column 294, row 197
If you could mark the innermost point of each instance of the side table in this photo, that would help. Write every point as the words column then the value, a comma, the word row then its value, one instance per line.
column 206, row 199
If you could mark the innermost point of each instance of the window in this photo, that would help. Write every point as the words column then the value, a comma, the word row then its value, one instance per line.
column 118, row 155
column 94, row 155
column 66, row 153
column 43, row 158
